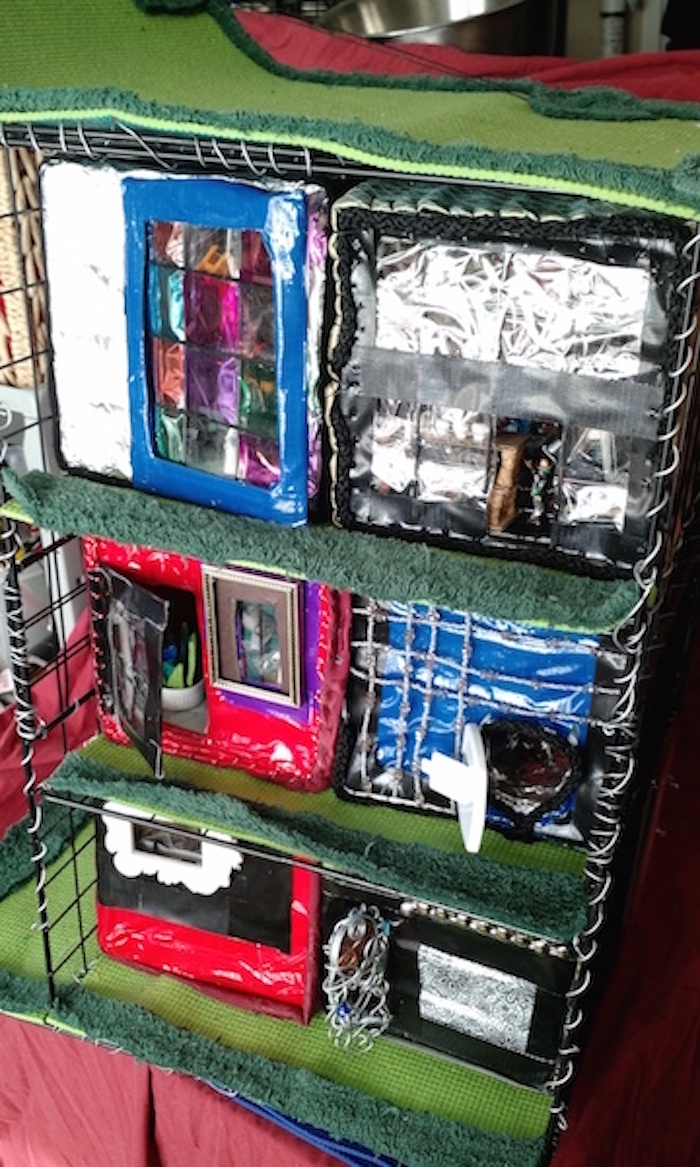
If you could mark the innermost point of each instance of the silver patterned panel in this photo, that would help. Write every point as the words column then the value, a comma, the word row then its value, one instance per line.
column 475, row 1000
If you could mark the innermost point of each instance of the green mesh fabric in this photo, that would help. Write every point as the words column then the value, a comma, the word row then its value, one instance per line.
column 106, row 61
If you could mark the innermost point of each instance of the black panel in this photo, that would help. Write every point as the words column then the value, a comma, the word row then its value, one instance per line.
column 255, row 907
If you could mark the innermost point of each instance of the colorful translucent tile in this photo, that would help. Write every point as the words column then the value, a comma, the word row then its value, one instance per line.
column 255, row 259
column 211, row 445
column 212, row 384
column 167, row 243
column 170, row 434
column 258, row 399
column 258, row 461
column 212, row 311
column 215, row 251
column 257, row 327
column 168, row 372
column 165, row 302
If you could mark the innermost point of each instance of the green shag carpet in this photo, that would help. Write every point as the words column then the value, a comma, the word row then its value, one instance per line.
column 386, row 569
column 105, row 61
column 551, row 903
column 415, row 1138
column 434, row 831
column 56, row 829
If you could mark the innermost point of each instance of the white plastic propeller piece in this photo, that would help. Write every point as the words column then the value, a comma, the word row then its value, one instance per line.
column 464, row 782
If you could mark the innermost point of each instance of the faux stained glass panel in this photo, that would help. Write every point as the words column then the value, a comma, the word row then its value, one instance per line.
column 212, row 350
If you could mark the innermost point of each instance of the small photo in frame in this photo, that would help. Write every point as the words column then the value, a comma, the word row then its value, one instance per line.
column 254, row 632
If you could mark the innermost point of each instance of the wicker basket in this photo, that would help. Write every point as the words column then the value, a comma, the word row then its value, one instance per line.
column 22, row 282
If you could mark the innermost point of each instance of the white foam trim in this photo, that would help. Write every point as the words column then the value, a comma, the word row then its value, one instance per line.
column 215, row 871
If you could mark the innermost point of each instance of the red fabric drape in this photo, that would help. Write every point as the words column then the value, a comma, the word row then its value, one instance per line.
column 663, row 76
column 66, row 1103
column 195, row 1127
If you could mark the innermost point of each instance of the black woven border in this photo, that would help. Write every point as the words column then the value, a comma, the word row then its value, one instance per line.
column 621, row 239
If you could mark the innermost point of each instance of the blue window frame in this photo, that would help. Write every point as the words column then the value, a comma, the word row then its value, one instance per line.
column 216, row 323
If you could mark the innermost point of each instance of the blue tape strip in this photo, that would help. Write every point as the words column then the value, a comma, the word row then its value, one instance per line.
column 344, row 1151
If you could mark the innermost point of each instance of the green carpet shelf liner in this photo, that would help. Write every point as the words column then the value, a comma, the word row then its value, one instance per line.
column 549, row 903
column 596, row 102
column 23, row 997
column 386, row 569
column 384, row 822
column 490, row 1122
column 416, row 1139
column 395, row 1075
column 105, row 61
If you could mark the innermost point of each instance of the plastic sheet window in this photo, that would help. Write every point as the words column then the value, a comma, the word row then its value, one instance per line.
column 497, row 303
column 212, row 350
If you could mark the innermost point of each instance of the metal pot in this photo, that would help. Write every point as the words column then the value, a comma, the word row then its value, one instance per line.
column 509, row 27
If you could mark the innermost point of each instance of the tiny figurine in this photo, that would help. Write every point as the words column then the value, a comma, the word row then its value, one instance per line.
column 541, row 471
